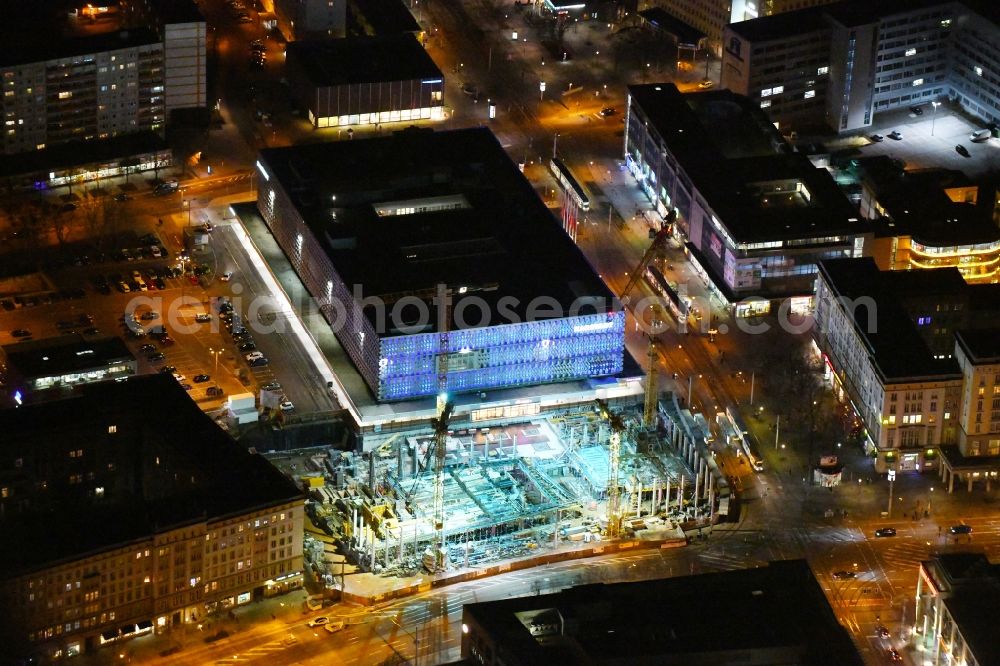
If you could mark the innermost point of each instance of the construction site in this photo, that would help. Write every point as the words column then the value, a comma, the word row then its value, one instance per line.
column 506, row 492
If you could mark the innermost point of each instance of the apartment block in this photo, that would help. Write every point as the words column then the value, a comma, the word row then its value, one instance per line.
column 125, row 511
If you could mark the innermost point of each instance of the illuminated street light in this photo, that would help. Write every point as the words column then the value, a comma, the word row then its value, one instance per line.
column 934, row 116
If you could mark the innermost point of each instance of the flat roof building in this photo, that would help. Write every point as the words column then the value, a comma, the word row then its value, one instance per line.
column 776, row 614
column 374, row 227
column 842, row 64
column 125, row 510
column 757, row 216
column 64, row 362
column 365, row 80
column 890, row 340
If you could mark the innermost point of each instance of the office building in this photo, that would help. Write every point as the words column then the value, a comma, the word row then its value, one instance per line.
column 956, row 595
column 712, row 16
column 773, row 615
column 929, row 218
column 64, row 362
column 756, row 216
column 125, row 510
column 892, row 341
column 365, row 80
column 977, row 454
column 374, row 226
column 868, row 58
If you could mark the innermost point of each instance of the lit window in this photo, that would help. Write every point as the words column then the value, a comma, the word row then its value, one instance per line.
column 779, row 89
column 822, row 70
column 65, row 94
column 918, row 82
column 979, row 70
column 809, row 94
column 112, row 429
column 764, row 103
column 946, row 23
column 910, row 52
column 766, row 92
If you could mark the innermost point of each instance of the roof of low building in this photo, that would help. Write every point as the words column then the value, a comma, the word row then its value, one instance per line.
column 778, row 610
column 781, row 26
column 63, row 156
column 27, row 47
column 733, row 155
column 64, row 354
column 149, row 460
column 392, row 57
column 981, row 345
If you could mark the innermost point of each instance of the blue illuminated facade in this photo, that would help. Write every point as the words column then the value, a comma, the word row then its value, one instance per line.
column 523, row 354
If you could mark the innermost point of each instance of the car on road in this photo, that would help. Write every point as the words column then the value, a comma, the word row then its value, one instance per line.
column 895, row 135
column 201, row 379
column 203, row 318
column 961, row 529
column 225, row 277
column 877, row 138
column 980, row 135
column 882, row 632
column 962, row 150
column 155, row 357
column 167, row 187
column 894, row 655
column 318, row 621
column 21, row 333
column 917, row 111
column 706, row 84
column 272, row 386
column 608, row 111
column 885, row 532
column 287, row 406
column 844, row 575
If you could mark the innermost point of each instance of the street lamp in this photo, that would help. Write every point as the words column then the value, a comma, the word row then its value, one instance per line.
column 892, row 479
column 934, row 116
column 215, row 353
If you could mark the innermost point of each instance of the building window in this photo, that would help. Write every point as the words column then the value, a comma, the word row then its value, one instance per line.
column 910, row 52
column 766, row 92
column 918, row 82
column 809, row 94
column 822, row 70
column 112, row 429
column 65, row 94
column 779, row 89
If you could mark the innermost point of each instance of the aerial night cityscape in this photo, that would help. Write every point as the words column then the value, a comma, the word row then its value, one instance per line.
column 523, row 332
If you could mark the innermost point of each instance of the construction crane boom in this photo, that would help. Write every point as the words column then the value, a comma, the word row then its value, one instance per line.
column 440, row 424
column 614, row 512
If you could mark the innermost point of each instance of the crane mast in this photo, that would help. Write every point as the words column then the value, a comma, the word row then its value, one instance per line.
column 614, row 512
column 440, row 424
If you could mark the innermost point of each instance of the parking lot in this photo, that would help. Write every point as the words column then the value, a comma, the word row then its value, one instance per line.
column 930, row 140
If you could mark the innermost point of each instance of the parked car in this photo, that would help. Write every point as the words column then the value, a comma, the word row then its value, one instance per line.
column 318, row 621
column 882, row 632
column 917, row 110
column 877, row 138
column 961, row 529
column 706, row 84
column 895, row 135
column 286, row 406
column 201, row 379
column 203, row 317
column 885, row 532
column 608, row 111
column 962, row 150
column 21, row 333
column 980, row 135
column 272, row 386
column 214, row 391
column 147, row 348
column 156, row 357
column 259, row 361
column 225, row 277
column 168, row 369
column 844, row 575
column 248, row 347
column 121, row 196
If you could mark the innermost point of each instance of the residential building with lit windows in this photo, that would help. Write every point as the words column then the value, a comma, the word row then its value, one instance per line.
column 376, row 228
column 125, row 510
column 365, row 81
column 90, row 88
column 889, row 341
column 953, row 623
column 877, row 56
column 63, row 363
column 929, row 218
column 757, row 217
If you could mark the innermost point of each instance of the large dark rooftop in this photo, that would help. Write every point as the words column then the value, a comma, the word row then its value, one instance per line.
column 897, row 349
column 778, row 611
column 781, row 26
column 158, row 460
column 490, row 230
column 393, row 57
column 21, row 48
column 684, row 33
column 733, row 155
column 981, row 345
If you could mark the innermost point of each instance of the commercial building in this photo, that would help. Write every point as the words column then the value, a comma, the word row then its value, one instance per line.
column 929, row 218
column 712, row 16
column 757, row 216
column 841, row 64
column 365, row 80
column 378, row 228
column 889, row 339
column 774, row 615
column 126, row 510
column 977, row 454
column 956, row 594
column 64, row 362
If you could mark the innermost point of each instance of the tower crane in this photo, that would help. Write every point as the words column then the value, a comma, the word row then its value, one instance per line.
column 657, row 250
column 614, row 512
column 440, row 425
